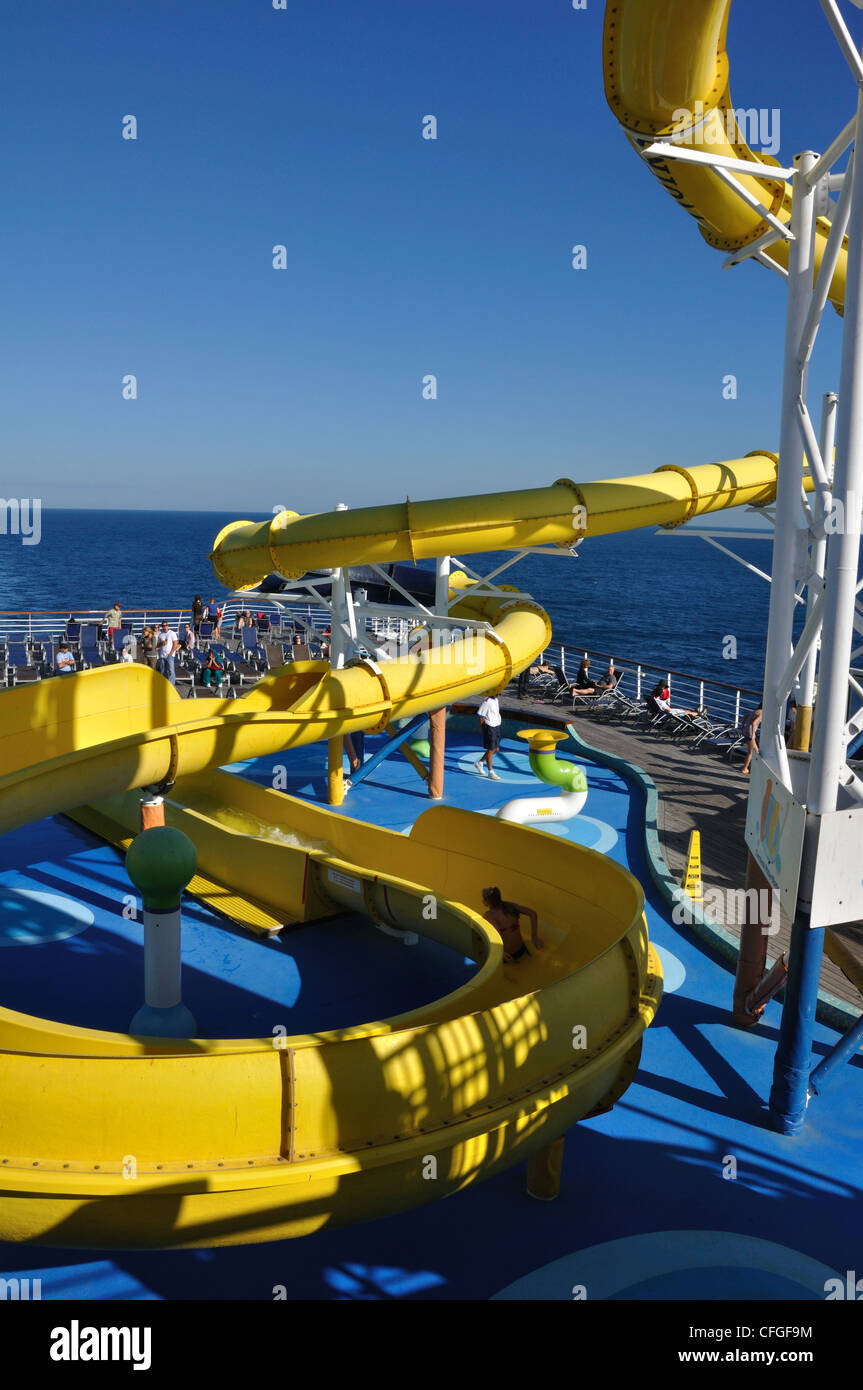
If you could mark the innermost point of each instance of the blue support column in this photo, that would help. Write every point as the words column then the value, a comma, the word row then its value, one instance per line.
column 844, row 1050
column 789, row 1094
column 375, row 761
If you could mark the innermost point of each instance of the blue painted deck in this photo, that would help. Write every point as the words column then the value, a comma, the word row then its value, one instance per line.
column 645, row 1210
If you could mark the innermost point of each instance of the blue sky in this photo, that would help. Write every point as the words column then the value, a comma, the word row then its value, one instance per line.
column 405, row 256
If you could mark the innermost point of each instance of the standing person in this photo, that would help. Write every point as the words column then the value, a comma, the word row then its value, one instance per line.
column 790, row 723
column 113, row 619
column 197, row 612
column 147, row 646
column 167, row 643
column 355, row 748
column 489, row 717
column 751, row 726
column 214, row 614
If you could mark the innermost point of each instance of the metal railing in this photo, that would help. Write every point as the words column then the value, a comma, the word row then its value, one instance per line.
column 726, row 703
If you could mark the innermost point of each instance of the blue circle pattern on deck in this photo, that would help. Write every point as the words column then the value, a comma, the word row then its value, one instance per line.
column 677, row 1265
column 32, row 917
column 654, row 1170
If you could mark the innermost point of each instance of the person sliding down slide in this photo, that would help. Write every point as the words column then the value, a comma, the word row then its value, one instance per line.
column 504, row 917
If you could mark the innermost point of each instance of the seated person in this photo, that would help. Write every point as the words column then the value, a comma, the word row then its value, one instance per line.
column 64, row 661
column 213, row 670
column 583, row 684
column 187, row 641
column 659, row 702
column 504, row 917
column 609, row 680
column 541, row 669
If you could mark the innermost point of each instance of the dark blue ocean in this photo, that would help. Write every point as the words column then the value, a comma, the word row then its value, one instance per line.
column 668, row 599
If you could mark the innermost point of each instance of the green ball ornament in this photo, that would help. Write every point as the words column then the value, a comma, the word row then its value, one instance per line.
column 160, row 862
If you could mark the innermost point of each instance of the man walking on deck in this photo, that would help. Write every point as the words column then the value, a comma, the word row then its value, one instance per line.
column 489, row 718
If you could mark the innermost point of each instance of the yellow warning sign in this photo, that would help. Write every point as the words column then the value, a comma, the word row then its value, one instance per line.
column 692, row 882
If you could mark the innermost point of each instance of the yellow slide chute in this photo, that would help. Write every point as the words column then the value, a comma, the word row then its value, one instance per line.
column 666, row 78
column 558, row 515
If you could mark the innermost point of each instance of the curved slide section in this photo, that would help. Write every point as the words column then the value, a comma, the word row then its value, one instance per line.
column 229, row 1142
column 666, row 78
column 70, row 741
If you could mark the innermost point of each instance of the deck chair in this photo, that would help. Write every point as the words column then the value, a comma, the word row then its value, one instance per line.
column 563, row 685
column 275, row 654
column 605, row 703
column 17, row 655
column 24, row 675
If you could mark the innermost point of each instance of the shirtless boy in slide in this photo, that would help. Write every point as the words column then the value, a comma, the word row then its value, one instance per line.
column 505, row 917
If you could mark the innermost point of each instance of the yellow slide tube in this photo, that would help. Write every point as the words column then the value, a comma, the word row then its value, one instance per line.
column 666, row 76
column 245, row 551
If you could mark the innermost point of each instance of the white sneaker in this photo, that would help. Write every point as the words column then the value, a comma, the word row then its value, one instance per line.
column 480, row 767
column 494, row 777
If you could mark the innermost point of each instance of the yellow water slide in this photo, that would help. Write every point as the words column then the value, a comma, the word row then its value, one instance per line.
column 558, row 515
column 667, row 78
column 109, row 1140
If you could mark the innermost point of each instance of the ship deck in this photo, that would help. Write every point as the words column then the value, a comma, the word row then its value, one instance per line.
column 697, row 791
column 682, row 1190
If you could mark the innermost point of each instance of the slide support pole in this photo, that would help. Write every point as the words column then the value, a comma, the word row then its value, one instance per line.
column 335, row 770
column 152, row 812
column 543, row 1171
column 790, row 1092
column 160, row 862
column 803, row 725
column 437, row 749
column 338, row 655
column 437, row 719
column 752, row 955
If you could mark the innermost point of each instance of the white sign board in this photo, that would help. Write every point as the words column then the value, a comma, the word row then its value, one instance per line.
column 775, row 822
column 837, row 892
